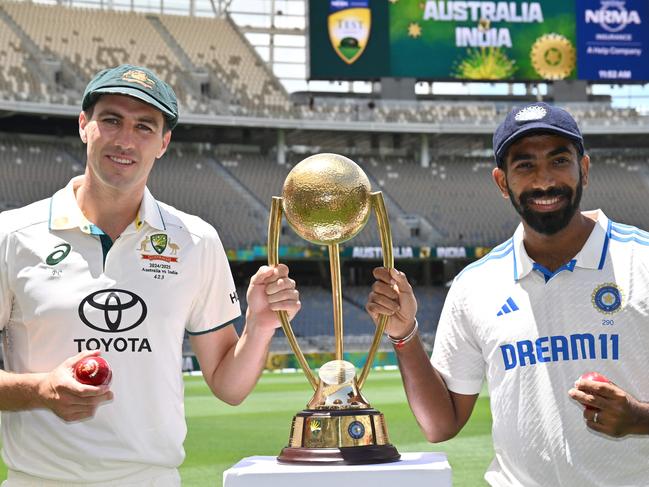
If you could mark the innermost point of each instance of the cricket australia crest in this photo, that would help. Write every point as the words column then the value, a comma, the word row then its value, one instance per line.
column 159, row 242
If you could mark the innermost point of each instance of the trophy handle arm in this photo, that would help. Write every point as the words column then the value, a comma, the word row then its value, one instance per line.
column 274, row 228
column 388, row 262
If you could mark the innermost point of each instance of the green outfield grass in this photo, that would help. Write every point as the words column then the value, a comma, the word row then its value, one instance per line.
column 220, row 435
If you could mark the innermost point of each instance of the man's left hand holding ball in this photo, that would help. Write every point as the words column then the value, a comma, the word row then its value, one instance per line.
column 610, row 410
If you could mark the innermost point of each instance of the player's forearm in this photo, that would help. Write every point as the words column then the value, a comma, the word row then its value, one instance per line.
column 19, row 392
column 429, row 399
column 640, row 415
column 241, row 367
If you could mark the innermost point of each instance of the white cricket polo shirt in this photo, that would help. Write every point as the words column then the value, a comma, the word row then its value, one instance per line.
column 58, row 295
column 532, row 334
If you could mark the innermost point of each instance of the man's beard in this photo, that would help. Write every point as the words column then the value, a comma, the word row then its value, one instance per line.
column 548, row 223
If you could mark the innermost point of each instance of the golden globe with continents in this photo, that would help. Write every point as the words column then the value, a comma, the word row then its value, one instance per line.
column 327, row 200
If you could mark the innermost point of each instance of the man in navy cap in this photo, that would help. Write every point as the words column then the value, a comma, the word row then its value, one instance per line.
column 93, row 270
column 567, row 294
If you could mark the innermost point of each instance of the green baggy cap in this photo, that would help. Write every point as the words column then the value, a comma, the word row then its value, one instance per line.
column 137, row 82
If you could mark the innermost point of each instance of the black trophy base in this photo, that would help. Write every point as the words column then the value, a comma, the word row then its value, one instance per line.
column 351, row 455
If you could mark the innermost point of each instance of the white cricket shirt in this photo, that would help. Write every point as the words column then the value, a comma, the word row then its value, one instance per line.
column 532, row 333
column 61, row 293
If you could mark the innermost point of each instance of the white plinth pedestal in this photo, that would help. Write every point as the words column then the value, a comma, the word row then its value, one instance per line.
column 413, row 470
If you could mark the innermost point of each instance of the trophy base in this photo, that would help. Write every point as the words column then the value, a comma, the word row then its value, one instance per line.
column 344, row 436
column 351, row 455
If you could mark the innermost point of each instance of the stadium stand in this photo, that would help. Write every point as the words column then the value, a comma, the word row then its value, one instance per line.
column 33, row 168
column 264, row 178
column 17, row 80
column 191, row 181
column 254, row 91
column 354, row 109
column 454, row 195
column 86, row 42
column 207, row 78
column 619, row 184
column 49, row 52
column 313, row 326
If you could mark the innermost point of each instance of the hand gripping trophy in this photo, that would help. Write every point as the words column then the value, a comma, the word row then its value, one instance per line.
column 327, row 200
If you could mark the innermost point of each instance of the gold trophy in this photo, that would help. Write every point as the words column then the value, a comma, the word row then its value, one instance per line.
column 327, row 200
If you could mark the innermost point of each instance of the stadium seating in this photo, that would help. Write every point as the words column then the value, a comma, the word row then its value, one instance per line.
column 191, row 182
column 17, row 81
column 86, row 41
column 223, row 76
column 32, row 169
column 313, row 326
column 455, row 195
column 265, row 179
column 232, row 62
column 619, row 185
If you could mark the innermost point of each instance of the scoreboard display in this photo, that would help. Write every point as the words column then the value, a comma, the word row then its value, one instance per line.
column 596, row 40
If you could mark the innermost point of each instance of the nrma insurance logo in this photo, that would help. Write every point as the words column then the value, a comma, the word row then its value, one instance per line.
column 612, row 16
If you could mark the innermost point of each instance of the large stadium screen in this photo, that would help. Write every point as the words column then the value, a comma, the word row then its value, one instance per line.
column 613, row 40
column 473, row 40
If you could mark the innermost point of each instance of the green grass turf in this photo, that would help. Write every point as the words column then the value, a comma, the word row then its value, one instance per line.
column 220, row 435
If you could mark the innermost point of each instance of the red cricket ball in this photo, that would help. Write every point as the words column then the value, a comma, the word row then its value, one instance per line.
column 93, row 371
column 596, row 377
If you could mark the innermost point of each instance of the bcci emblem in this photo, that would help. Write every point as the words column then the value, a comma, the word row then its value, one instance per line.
column 607, row 298
column 528, row 114
column 349, row 28
column 356, row 430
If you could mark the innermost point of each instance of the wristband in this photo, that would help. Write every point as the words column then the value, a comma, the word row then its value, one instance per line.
column 400, row 342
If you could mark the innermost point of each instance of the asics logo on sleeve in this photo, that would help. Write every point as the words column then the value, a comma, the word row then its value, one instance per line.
column 58, row 255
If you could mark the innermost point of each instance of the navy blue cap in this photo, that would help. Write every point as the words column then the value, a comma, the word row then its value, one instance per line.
column 135, row 81
column 534, row 117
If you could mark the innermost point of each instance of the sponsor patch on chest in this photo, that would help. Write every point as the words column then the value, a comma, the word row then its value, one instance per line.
column 159, row 255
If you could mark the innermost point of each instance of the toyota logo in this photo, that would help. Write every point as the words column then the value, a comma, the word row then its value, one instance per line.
column 117, row 305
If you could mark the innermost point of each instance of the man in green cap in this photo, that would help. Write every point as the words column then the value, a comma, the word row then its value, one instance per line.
column 92, row 271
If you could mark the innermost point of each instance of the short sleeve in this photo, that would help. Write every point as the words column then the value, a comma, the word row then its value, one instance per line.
column 217, row 302
column 456, row 354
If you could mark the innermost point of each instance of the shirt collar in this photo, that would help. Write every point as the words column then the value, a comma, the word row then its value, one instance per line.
column 66, row 214
column 150, row 212
column 591, row 256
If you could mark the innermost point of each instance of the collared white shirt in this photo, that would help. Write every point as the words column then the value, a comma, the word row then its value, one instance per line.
column 531, row 333
column 64, row 288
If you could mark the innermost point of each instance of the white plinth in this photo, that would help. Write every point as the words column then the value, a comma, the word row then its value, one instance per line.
column 413, row 470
